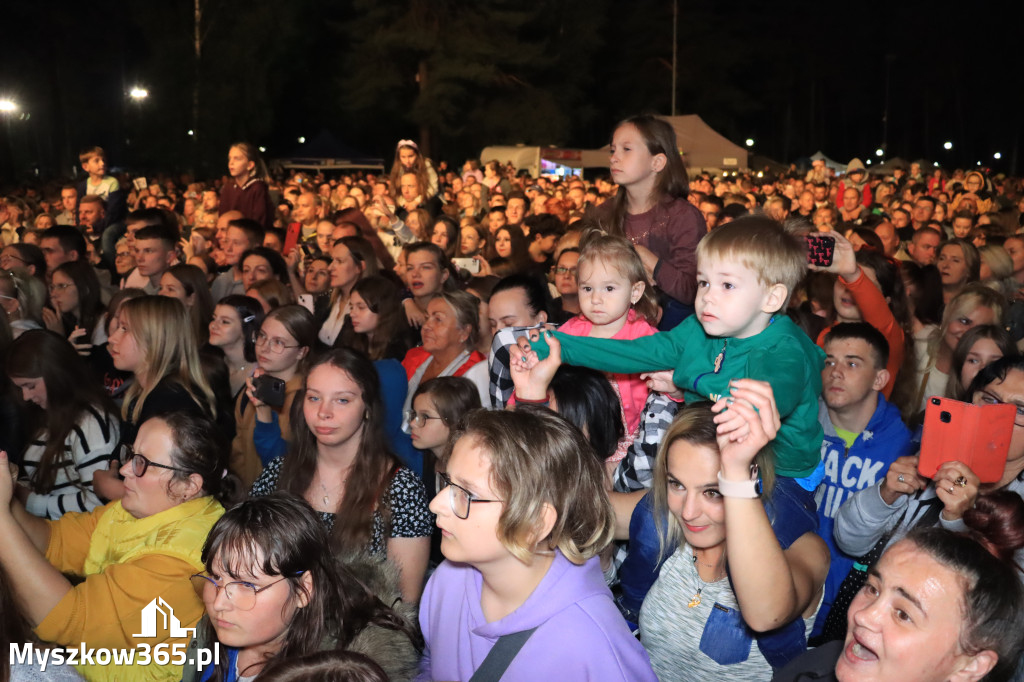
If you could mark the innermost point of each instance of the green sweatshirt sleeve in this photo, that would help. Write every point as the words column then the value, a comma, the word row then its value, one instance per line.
column 646, row 354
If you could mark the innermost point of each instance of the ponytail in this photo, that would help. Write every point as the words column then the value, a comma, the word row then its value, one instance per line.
column 997, row 523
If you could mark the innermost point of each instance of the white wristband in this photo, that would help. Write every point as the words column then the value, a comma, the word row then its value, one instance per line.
column 749, row 490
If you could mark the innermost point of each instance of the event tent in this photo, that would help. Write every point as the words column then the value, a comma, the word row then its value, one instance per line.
column 701, row 146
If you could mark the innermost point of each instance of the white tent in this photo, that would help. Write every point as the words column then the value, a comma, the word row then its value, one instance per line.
column 829, row 163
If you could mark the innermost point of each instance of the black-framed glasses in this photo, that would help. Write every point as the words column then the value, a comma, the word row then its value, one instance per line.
column 460, row 498
column 140, row 463
column 986, row 398
column 276, row 345
column 241, row 594
column 418, row 419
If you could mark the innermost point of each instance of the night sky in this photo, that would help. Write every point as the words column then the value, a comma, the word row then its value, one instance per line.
column 796, row 77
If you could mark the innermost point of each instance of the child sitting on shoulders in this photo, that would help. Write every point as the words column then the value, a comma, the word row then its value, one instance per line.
column 746, row 271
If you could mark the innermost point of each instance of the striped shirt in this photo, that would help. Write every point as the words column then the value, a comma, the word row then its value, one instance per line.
column 88, row 448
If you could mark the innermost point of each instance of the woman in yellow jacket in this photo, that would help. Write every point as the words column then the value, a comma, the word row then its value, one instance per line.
column 135, row 554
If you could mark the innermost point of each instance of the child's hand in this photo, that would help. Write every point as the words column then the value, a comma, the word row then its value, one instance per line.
column 662, row 383
column 747, row 421
column 530, row 374
column 844, row 258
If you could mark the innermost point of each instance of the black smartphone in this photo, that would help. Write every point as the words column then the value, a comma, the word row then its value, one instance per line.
column 821, row 248
column 269, row 390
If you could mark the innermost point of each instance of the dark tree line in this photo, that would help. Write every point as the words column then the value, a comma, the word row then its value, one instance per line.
column 459, row 75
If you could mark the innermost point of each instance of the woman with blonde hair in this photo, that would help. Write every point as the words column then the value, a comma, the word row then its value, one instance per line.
column 153, row 339
column 976, row 304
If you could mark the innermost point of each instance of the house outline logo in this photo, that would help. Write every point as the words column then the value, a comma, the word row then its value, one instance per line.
column 159, row 610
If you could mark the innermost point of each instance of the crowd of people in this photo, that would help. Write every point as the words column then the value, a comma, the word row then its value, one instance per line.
column 463, row 423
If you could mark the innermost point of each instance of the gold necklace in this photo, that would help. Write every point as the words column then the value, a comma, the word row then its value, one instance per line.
column 695, row 599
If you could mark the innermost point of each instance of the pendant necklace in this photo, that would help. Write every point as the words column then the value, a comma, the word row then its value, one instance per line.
column 695, row 599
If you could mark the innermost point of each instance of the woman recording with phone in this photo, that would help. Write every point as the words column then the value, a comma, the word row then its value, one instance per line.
column 282, row 343
column 905, row 499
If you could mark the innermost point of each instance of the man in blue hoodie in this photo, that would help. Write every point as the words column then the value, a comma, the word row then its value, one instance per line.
column 864, row 433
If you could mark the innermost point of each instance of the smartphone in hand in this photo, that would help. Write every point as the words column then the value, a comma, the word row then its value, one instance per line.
column 977, row 435
column 821, row 248
column 269, row 390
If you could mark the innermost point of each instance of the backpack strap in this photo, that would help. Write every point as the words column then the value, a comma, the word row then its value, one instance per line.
column 500, row 657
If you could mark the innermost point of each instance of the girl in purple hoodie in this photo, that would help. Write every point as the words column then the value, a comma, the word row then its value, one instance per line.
column 523, row 515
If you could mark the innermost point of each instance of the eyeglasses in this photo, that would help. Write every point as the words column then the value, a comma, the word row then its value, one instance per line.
column 986, row 398
column 276, row 345
column 4, row 260
column 418, row 419
column 460, row 498
column 565, row 271
column 241, row 594
column 60, row 287
column 140, row 463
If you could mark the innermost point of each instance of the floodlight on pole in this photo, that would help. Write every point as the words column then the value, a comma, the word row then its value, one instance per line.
column 8, row 106
column 750, row 142
column 138, row 93
column 947, row 146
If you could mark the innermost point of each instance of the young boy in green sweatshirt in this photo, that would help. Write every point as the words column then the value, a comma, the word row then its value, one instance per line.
column 746, row 271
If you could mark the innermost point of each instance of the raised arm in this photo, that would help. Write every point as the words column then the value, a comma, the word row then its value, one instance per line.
column 773, row 586
column 646, row 354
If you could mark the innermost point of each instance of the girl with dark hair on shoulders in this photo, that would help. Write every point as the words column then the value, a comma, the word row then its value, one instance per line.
column 75, row 425
column 340, row 462
column 274, row 593
column 651, row 210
